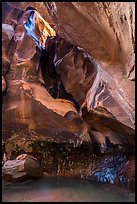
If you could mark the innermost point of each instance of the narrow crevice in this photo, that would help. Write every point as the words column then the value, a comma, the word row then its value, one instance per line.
column 52, row 80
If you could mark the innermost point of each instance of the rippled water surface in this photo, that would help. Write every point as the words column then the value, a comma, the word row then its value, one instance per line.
column 63, row 190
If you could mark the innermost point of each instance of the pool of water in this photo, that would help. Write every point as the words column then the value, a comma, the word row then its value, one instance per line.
column 51, row 189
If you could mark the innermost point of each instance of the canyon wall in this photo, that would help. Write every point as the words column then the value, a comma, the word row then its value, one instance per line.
column 69, row 87
column 107, row 31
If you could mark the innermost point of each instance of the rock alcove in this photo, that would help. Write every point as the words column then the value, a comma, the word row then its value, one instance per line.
column 68, row 87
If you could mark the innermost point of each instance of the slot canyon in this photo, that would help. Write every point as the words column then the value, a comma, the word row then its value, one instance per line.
column 68, row 92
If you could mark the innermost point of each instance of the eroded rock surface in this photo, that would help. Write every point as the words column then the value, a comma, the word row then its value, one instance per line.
column 87, row 82
column 102, row 30
column 65, row 100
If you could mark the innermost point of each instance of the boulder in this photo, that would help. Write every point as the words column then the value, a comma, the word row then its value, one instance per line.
column 76, row 68
column 22, row 168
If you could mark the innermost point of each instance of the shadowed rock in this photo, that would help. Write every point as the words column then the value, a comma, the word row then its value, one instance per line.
column 105, row 127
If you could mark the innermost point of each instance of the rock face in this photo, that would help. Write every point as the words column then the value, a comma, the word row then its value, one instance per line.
column 22, row 168
column 27, row 101
column 102, row 29
column 39, row 6
column 3, row 84
column 100, row 26
column 71, row 62
column 65, row 95
column 98, row 90
column 110, row 134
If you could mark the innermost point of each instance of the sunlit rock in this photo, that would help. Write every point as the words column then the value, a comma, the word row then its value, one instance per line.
column 31, row 30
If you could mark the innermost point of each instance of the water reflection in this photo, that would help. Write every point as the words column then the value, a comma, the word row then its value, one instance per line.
column 64, row 190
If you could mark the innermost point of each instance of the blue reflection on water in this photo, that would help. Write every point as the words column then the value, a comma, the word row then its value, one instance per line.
column 109, row 170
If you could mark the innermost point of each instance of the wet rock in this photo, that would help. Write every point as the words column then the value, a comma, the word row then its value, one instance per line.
column 22, row 168
column 115, row 169
column 64, row 154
